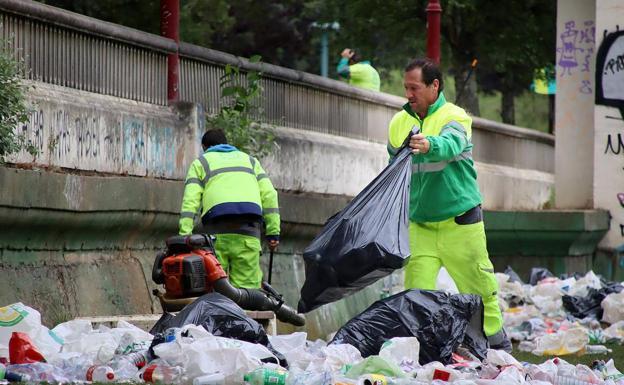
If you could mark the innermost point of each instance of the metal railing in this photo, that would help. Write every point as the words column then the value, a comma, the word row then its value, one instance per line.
column 77, row 51
column 71, row 50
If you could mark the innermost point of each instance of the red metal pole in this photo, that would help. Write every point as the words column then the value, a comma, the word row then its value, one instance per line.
column 433, row 30
column 170, row 28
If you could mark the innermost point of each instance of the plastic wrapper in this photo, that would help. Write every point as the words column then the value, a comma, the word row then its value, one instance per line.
column 440, row 321
column 403, row 351
column 613, row 308
column 222, row 317
column 364, row 242
column 562, row 342
column 22, row 350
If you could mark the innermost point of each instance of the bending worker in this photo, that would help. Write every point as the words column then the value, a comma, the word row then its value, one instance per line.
column 359, row 72
column 446, row 222
column 236, row 197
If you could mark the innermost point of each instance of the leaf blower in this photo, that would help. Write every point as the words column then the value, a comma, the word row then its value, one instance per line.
column 189, row 268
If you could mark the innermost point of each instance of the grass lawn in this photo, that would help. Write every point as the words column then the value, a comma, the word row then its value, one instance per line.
column 587, row 359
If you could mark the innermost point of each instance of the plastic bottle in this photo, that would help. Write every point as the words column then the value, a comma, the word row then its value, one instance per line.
column 11, row 376
column 597, row 349
column 266, row 376
column 157, row 373
column 566, row 380
column 100, row 373
column 210, row 379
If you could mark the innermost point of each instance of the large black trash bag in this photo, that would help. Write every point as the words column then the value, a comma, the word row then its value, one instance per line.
column 539, row 273
column 589, row 306
column 439, row 320
column 220, row 316
column 364, row 242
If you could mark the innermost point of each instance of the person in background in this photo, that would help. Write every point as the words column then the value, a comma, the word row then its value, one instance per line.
column 237, row 198
column 360, row 73
column 446, row 221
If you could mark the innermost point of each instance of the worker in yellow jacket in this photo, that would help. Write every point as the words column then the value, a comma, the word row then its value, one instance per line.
column 360, row 73
column 237, row 198
column 446, row 221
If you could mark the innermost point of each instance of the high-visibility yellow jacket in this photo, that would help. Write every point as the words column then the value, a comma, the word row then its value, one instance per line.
column 361, row 74
column 225, row 181
column 444, row 180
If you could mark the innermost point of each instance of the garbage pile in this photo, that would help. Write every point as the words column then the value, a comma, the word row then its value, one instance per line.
column 562, row 315
column 412, row 338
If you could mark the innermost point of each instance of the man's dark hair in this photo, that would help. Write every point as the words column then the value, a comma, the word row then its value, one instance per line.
column 429, row 70
column 356, row 58
column 213, row 137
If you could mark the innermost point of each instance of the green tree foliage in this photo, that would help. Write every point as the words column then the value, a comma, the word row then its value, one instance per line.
column 240, row 114
column 13, row 108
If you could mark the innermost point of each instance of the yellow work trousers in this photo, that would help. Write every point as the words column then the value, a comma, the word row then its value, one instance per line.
column 239, row 256
column 462, row 250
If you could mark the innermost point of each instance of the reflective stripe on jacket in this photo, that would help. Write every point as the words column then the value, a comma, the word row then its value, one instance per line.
column 225, row 181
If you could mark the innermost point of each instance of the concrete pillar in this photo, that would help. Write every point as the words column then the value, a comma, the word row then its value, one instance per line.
column 608, row 178
column 574, row 104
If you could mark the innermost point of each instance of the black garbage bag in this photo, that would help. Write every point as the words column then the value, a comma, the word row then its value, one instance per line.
column 440, row 321
column 537, row 274
column 589, row 306
column 220, row 316
column 364, row 242
column 513, row 276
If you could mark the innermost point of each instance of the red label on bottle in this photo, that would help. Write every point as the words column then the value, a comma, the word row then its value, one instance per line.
column 147, row 374
column 90, row 373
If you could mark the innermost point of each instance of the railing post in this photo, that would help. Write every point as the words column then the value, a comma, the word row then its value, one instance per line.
column 433, row 30
column 170, row 28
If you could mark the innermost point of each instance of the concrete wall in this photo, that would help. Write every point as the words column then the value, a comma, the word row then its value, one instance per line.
column 80, row 130
column 608, row 160
column 574, row 111
column 588, row 135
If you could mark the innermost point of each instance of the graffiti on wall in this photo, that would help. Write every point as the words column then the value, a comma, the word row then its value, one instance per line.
column 83, row 138
column 575, row 51
column 610, row 71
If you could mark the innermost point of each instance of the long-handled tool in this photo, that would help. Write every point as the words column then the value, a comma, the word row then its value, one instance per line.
column 270, row 266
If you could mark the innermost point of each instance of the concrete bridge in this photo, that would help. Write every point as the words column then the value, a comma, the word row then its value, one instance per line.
column 80, row 222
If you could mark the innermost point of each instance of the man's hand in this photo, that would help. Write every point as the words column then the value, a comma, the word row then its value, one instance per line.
column 347, row 53
column 273, row 244
column 419, row 144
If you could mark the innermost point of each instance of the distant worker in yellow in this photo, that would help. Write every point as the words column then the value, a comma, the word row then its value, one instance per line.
column 360, row 73
column 237, row 198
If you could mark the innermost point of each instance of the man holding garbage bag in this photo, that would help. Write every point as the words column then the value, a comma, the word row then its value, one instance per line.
column 446, row 221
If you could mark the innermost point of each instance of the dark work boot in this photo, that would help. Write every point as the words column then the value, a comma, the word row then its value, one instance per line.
column 500, row 341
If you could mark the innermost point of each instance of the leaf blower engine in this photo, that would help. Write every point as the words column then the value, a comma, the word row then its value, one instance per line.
column 189, row 268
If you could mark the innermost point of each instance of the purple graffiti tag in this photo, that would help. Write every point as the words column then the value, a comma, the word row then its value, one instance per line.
column 588, row 35
column 620, row 197
column 586, row 62
column 586, row 87
column 567, row 60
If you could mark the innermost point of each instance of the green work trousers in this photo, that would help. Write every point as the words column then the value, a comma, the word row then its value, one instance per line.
column 239, row 256
column 462, row 250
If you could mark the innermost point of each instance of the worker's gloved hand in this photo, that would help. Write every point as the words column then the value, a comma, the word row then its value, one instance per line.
column 273, row 243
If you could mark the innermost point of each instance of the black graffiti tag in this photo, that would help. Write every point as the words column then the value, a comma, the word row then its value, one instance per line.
column 610, row 145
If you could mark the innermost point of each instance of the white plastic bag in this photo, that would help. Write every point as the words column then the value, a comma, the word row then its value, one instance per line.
column 445, row 283
column 403, row 351
column 615, row 331
column 613, row 306
column 18, row 317
column 501, row 358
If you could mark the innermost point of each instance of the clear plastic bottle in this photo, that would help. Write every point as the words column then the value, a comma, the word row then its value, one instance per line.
column 100, row 373
column 157, row 373
column 266, row 376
